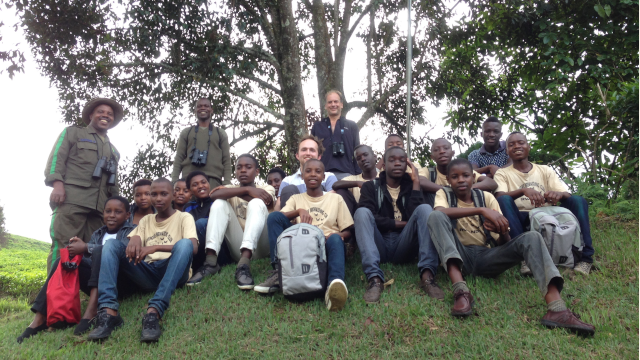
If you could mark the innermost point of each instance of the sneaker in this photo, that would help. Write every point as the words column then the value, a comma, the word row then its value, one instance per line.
column 244, row 278
column 150, row 328
column 374, row 290
column 336, row 296
column 568, row 320
column 29, row 332
column 84, row 326
column 204, row 271
column 524, row 270
column 431, row 288
column 462, row 303
column 105, row 324
column 583, row 268
column 271, row 285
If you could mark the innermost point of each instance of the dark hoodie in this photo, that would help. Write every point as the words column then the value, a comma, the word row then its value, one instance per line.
column 408, row 201
column 198, row 208
column 96, row 237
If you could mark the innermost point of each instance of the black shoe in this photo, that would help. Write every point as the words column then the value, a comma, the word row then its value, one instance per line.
column 244, row 278
column 204, row 271
column 84, row 326
column 29, row 332
column 150, row 328
column 105, row 324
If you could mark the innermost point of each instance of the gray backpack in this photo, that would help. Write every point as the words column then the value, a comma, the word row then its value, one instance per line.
column 561, row 232
column 302, row 261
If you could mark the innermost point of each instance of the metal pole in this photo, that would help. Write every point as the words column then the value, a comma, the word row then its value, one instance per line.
column 409, row 56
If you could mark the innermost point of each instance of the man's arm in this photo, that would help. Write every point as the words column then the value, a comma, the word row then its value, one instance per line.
column 428, row 186
column 485, row 183
column 247, row 193
column 499, row 223
column 537, row 199
column 56, row 167
column 346, row 184
column 181, row 154
column 356, row 141
column 226, row 157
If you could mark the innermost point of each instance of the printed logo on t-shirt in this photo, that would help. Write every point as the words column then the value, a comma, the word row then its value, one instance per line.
column 318, row 215
column 531, row 185
column 241, row 210
column 159, row 238
column 397, row 215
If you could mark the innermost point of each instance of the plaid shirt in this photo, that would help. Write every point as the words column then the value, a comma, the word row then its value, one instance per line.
column 482, row 158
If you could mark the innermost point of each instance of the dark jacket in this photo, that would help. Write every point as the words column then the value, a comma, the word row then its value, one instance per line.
column 199, row 208
column 133, row 210
column 408, row 201
column 349, row 133
column 73, row 159
column 218, row 158
column 96, row 237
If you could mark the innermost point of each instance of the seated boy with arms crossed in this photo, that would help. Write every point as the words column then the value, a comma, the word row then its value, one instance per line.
column 463, row 246
column 158, row 258
column 326, row 211
column 238, row 216
column 349, row 187
column 523, row 186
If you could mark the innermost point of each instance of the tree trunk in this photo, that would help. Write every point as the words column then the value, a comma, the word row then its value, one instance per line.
column 325, row 68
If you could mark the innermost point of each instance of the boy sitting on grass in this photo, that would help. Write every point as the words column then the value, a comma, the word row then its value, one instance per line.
column 238, row 215
column 461, row 241
column 158, row 258
column 523, row 186
column 181, row 194
column 115, row 215
column 326, row 211
column 349, row 187
column 141, row 201
column 391, row 226
column 198, row 185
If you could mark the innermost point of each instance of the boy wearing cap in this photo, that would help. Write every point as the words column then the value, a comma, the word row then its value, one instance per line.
column 82, row 171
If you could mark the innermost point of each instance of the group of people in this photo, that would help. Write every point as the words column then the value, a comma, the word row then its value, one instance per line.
column 181, row 231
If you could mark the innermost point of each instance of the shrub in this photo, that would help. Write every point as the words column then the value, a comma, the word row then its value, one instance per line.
column 3, row 231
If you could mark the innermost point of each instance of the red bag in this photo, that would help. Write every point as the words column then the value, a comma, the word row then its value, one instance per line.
column 63, row 292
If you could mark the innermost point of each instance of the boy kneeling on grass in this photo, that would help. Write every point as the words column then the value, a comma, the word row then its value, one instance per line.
column 391, row 226
column 459, row 236
column 115, row 215
column 238, row 217
column 328, row 212
column 158, row 258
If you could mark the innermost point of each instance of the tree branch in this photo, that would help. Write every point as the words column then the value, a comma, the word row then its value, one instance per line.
column 345, row 40
column 249, row 134
column 261, row 82
column 260, row 53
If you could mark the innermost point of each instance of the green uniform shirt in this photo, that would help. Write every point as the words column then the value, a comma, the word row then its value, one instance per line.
column 218, row 158
column 73, row 160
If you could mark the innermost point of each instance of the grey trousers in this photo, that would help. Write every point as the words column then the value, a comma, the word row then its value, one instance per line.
column 490, row 262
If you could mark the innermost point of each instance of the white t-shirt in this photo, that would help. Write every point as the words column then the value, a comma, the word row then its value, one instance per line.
column 108, row 236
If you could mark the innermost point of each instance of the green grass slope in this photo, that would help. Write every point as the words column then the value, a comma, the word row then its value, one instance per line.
column 23, row 266
column 216, row 320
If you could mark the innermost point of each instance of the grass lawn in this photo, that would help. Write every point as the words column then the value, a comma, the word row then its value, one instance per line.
column 216, row 320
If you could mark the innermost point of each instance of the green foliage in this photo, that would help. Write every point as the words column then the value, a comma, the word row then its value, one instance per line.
column 476, row 146
column 23, row 266
column 601, row 205
column 567, row 73
column 3, row 230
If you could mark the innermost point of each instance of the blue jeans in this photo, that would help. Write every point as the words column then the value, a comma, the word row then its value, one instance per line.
column 162, row 276
column 334, row 246
column 395, row 247
column 224, row 256
column 519, row 220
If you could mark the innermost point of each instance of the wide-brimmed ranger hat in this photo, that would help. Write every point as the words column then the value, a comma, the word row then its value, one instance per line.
column 118, row 112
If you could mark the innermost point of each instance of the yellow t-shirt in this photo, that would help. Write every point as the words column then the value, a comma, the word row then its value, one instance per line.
column 541, row 178
column 356, row 190
column 329, row 211
column 441, row 179
column 178, row 226
column 468, row 228
column 397, row 215
column 239, row 205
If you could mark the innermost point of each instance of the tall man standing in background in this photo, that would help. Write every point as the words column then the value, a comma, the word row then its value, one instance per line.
column 203, row 147
column 339, row 137
column 82, row 171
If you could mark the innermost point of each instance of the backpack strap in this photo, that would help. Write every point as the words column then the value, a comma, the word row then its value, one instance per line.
column 452, row 199
column 479, row 201
column 433, row 174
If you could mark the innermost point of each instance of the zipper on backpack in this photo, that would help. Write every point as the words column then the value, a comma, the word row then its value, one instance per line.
column 291, row 251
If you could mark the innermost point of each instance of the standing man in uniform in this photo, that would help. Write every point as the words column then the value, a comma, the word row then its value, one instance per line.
column 203, row 147
column 339, row 137
column 82, row 171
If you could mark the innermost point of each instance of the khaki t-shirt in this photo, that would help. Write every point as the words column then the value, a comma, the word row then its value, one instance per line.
column 239, row 205
column 541, row 178
column 468, row 228
column 441, row 179
column 356, row 190
column 178, row 226
column 329, row 211
column 397, row 215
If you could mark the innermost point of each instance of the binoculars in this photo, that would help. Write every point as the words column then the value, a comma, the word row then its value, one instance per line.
column 198, row 157
column 108, row 166
column 337, row 148
column 69, row 265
